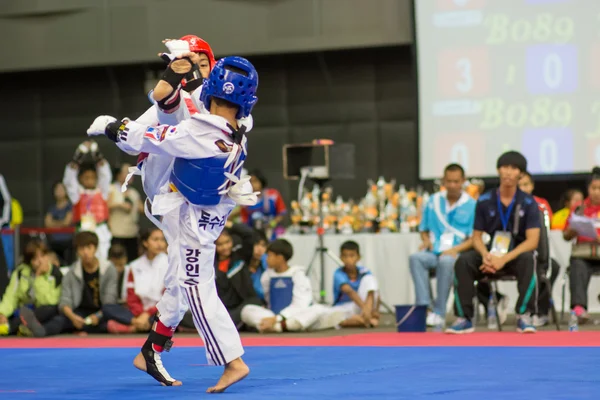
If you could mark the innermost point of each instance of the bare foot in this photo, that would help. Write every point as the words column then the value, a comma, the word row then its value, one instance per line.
column 374, row 322
column 140, row 363
column 234, row 372
column 353, row 322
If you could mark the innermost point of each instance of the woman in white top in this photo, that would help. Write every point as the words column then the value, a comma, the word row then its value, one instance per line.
column 145, row 277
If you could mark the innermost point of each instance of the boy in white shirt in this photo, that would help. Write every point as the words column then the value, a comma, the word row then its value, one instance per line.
column 288, row 294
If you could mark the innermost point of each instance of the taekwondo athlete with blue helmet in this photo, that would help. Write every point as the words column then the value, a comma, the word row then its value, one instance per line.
column 203, row 188
column 173, row 102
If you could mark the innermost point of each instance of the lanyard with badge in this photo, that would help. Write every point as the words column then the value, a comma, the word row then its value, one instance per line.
column 447, row 238
column 502, row 239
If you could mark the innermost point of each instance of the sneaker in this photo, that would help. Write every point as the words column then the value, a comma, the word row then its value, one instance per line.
column 29, row 320
column 24, row 331
column 429, row 321
column 434, row 320
column 524, row 324
column 582, row 315
column 540, row 320
column 503, row 309
column 460, row 326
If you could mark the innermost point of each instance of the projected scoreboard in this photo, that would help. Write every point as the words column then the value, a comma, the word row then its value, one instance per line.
column 501, row 75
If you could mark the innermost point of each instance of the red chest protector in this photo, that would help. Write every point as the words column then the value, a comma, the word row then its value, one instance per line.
column 92, row 203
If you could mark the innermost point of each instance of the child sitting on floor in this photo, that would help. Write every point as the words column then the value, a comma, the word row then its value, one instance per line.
column 355, row 290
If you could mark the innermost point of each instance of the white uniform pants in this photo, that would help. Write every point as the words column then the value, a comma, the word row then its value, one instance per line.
column 189, row 280
column 367, row 284
column 315, row 317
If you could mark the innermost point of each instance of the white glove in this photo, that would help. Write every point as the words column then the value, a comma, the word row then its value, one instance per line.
column 241, row 191
column 176, row 48
column 99, row 125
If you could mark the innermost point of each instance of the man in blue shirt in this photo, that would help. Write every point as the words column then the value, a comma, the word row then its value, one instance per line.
column 446, row 225
column 511, row 219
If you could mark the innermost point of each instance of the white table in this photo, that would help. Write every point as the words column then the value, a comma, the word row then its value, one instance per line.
column 386, row 255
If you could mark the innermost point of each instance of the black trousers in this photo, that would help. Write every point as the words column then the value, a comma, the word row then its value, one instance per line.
column 580, row 272
column 236, row 312
column 116, row 312
column 48, row 316
column 466, row 272
column 545, row 288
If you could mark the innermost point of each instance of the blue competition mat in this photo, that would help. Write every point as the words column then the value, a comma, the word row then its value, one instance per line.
column 311, row 373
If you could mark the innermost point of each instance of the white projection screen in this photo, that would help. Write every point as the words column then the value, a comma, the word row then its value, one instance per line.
column 498, row 75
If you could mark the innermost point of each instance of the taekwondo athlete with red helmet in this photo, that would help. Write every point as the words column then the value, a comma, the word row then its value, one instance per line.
column 204, row 186
column 174, row 102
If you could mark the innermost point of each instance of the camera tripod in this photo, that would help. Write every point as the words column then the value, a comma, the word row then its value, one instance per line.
column 321, row 251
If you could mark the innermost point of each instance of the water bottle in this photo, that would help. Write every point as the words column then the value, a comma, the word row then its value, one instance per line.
column 573, row 323
column 492, row 318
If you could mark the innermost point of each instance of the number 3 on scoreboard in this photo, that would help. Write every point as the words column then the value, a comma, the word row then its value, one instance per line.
column 465, row 84
column 463, row 72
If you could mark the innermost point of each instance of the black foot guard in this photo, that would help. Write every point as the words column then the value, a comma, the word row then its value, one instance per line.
column 154, row 365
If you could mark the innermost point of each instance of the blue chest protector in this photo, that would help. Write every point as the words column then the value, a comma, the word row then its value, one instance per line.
column 340, row 278
column 281, row 291
column 200, row 180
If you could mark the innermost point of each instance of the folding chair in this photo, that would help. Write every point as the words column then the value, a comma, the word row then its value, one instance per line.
column 543, row 256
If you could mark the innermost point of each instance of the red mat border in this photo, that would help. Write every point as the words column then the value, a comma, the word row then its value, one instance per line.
column 387, row 339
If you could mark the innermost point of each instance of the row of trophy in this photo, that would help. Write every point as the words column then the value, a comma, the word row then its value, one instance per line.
column 383, row 209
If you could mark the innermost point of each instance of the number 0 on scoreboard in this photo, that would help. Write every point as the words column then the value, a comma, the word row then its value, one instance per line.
column 551, row 69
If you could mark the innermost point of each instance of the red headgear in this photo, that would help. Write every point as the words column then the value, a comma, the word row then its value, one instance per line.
column 198, row 45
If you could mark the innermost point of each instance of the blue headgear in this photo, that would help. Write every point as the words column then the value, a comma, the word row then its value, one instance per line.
column 233, row 79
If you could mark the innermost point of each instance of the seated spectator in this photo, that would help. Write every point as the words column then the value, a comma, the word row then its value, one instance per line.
column 527, row 185
column 355, row 290
column 124, row 210
column 145, row 279
column 258, row 263
column 511, row 218
column 570, row 199
column 267, row 215
column 60, row 215
column 585, row 259
column 446, row 227
column 89, row 297
column 233, row 279
column 291, row 309
column 87, row 186
column 29, row 305
column 117, row 255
